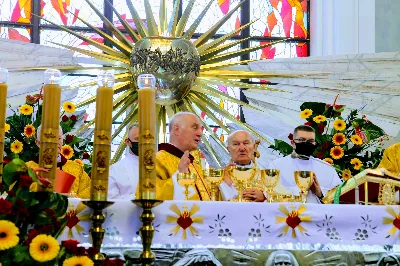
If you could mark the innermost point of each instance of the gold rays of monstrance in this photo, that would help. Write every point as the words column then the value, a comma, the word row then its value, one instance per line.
column 185, row 71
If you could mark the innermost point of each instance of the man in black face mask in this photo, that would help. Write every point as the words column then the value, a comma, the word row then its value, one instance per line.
column 325, row 176
column 124, row 174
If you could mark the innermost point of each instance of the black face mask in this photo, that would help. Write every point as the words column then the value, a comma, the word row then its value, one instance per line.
column 305, row 148
column 134, row 147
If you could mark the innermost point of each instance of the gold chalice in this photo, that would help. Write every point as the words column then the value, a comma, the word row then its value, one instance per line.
column 240, row 176
column 186, row 180
column 271, row 178
column 215, row 177
column 304, row 180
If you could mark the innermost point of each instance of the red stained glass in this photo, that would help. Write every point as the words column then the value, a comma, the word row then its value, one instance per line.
column 18, row 34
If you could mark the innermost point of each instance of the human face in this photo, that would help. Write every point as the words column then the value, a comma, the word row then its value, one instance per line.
column 132, row 136
column 188, row 133
column 241, row 148
column 303, row 136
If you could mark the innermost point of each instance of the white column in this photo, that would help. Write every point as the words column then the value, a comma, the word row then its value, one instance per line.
column 342, row 27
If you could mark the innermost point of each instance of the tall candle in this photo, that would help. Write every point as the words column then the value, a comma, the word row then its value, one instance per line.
column 147, row 136
column 102, row 136
column 3, row 103
column 50, row 126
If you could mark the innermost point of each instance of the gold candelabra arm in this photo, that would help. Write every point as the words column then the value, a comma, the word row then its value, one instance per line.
column 97, row 231
column 147, row 230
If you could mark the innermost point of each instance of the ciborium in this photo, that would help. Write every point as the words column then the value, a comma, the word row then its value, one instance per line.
column 304, row 180
column 271, row 178
column 215, row 177
column 186, row 180
column 175, row 63
column 240, row 177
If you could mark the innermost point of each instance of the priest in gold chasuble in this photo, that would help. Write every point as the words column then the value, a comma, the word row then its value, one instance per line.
column 174, row 157
column 391, row 159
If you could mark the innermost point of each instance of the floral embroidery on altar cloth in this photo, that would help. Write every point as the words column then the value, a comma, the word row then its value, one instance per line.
column 256, row 232
column 224, row 234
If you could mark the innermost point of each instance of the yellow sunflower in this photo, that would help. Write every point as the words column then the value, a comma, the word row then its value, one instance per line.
column 8, row 235
column 26, row 109
column 339, row 139
column 44, row 248
column 329, row 160
column 16, row 146
column 357, row 163
column 319, row 119
column 78, row 161
column 69, row 107
column 78, row 260
column 339, row 125
column 346, row 174
column 306, row 113
column 337, row 152
column 356, row 140
column 29, row 131
column 7, row 128
column 67, row 151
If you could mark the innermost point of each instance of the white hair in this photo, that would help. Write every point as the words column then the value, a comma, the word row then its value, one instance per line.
column 39, row 130
column 230, row 136
column 176, row 117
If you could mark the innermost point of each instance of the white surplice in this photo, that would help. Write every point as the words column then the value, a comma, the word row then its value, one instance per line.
column 124, row 178
column 326, row 174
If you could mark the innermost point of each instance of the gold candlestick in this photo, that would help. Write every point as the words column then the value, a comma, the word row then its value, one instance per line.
column 3, row 105
column 147, row 136
column 102, row 136
column 50, row 126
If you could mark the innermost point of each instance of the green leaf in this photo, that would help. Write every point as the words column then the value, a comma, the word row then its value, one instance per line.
column 317, row 108
column 373, row 131
column 12, row 170
column 282, row 147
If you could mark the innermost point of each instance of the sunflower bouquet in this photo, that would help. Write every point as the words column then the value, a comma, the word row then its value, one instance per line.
column 21, row 133
column 349, row 144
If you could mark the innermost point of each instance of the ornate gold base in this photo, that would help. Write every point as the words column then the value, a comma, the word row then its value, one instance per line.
column 147, row 229
column 97, row 231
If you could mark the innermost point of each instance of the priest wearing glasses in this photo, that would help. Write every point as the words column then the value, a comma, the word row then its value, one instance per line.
column 325, row 176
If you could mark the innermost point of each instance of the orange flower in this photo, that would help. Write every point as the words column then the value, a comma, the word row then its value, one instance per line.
column 357, row 163
column 346, row 174
column 329, row 160
column 339, row 125
column 67, row 151
column 306, row 113
column 319, row 119
column 29, row 131
column 356, row 140
column 339, row 139
column 337, row 152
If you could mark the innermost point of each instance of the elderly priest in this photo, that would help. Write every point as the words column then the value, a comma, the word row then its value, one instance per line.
column 174, row 157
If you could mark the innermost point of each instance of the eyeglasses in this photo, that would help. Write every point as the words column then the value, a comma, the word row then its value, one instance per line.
column 311, row 141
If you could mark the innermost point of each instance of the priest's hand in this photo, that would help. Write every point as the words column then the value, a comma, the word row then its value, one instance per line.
column 183, row 166
column 253, row 194
column 316, row 188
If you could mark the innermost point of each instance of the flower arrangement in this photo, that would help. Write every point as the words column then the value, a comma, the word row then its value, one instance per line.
column 349, row 144
column 21, row 133
column 30, row 223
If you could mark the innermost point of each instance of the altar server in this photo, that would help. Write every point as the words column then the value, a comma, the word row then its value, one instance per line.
column 174, row 157
column 241, row 148
column 124, row 174
column 304, row 145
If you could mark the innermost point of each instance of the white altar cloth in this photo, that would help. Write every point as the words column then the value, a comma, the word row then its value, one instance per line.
column 246, row 225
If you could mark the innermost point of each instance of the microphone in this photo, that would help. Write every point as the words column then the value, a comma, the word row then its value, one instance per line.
column 306, row 157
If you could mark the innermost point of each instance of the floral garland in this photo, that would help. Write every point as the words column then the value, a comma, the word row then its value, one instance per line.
column 21, row 128
column 349, row 144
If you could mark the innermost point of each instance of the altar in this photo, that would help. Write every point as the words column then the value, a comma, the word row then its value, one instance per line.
column 254, row 228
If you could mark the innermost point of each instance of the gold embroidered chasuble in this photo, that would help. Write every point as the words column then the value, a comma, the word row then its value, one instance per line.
column 391, row 159
column 167, row 161
column 81, row 185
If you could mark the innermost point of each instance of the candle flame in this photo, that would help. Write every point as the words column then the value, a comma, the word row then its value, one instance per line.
column 52, row 79
column 146, row 82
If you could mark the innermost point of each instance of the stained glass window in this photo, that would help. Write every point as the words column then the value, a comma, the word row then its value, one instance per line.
column 18, row 11
column 279, row 18
column 18, row 34
column 216, row 11
column 65, row 12
column 279, row 50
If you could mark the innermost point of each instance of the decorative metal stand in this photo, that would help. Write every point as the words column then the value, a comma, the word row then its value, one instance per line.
column 147, row 230
column 97, row 231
